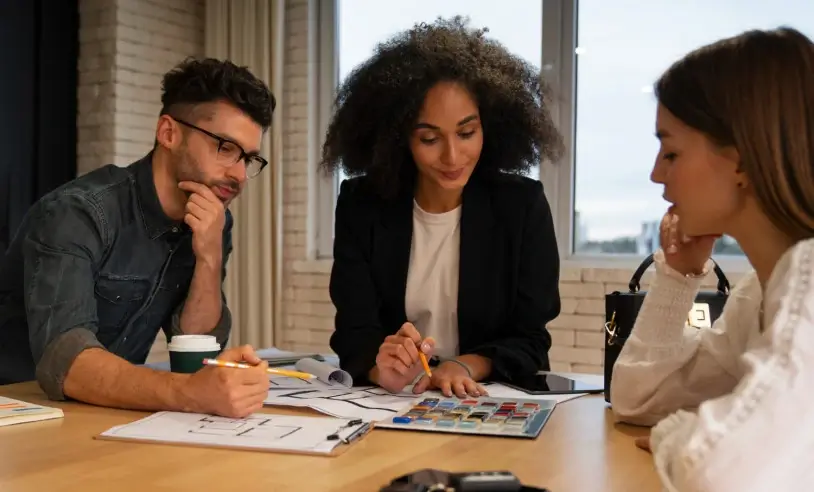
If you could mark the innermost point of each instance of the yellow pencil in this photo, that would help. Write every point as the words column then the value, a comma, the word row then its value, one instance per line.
column 270, row 370
column 423, row 357
column 424, row 363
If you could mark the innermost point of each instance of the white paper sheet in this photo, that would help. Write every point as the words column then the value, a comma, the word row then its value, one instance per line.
column 260, row 431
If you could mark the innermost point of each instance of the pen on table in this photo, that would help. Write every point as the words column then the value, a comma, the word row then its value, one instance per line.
column 335, row 435
column 357, row 433
column 270, row 370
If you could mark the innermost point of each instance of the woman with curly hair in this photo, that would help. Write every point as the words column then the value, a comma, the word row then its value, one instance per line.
column 440, row 245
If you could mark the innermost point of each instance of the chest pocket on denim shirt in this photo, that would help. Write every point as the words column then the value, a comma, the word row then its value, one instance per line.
column 178, row 276
column 117, row 300
column 173, row 289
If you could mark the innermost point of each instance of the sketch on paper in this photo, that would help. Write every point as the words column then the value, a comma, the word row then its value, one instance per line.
column 371, row 398
column 364, row 402
column 257, row 431
column 255, row 427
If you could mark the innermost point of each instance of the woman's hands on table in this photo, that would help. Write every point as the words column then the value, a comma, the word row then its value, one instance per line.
column 450, row 378
column 398, row 364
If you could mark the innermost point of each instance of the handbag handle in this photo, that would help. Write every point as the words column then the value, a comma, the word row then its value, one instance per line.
column 723, row 283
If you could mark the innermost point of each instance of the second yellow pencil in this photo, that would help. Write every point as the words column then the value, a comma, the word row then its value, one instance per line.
column 270, row 370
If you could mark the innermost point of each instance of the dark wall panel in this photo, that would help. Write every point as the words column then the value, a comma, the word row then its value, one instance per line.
column 39, row 49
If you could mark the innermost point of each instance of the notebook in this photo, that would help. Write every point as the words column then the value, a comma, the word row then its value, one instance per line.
column 20, row 412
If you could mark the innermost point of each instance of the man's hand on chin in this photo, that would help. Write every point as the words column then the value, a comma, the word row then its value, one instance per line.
column 205, row 214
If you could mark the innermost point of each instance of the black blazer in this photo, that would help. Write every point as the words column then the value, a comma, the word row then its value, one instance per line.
column 509, row 273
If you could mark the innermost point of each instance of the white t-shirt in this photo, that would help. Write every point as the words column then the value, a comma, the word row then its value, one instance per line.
column 431, row 301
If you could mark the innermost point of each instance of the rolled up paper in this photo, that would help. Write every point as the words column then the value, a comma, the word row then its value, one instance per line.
column 325, row 372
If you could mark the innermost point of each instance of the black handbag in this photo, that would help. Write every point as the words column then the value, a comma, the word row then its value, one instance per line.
column 621, row 309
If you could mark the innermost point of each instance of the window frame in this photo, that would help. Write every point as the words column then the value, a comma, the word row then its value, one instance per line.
column 559, row 68
column 327, row 66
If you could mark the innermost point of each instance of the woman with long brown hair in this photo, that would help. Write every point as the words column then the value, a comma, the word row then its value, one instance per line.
column 736, row 124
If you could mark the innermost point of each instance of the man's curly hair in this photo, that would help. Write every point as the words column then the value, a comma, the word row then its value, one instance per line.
column 378, row 103
column 198, row 81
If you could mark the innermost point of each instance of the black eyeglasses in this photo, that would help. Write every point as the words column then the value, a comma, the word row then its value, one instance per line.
column 230, row 152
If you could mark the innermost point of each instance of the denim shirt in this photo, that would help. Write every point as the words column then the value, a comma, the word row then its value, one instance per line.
column 95, row 263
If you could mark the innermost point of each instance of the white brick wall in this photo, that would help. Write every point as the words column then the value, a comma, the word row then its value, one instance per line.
column 308, row 312
column 578, row 340
column 125, row 47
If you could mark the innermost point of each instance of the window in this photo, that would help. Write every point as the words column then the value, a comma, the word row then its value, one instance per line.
column 621, row 49
column 601, row 59
column 362, row 24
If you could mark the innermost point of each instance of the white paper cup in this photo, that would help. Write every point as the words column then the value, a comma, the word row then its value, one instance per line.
column 187, row 352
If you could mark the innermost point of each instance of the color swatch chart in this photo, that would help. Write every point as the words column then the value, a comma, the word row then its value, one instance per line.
column 479, row 416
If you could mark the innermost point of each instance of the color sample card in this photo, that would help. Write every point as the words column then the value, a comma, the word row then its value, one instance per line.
column 479, row 416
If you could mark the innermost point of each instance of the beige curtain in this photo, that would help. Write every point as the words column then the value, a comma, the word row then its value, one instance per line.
column 250, row 33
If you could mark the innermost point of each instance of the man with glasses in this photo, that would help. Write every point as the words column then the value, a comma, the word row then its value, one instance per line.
column 99, row 265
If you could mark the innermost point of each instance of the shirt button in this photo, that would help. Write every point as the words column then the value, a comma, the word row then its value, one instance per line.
column 118, row 297
column 174, row 229
column 124, row 339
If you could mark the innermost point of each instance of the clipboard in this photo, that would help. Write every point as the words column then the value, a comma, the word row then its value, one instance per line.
column 263, row 432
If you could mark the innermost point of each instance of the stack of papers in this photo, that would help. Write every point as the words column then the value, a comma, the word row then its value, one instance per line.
column 19, row 412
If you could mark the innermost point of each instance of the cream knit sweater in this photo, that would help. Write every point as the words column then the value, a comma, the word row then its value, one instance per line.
column 733, row 407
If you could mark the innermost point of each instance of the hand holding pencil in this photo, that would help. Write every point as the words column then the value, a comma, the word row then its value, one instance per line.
column 402, row 357
column 220, row 389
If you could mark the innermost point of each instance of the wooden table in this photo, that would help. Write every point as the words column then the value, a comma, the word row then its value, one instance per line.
column 579, row 450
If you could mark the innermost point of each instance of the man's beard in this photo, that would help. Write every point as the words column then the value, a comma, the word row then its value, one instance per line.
column 187, row 168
